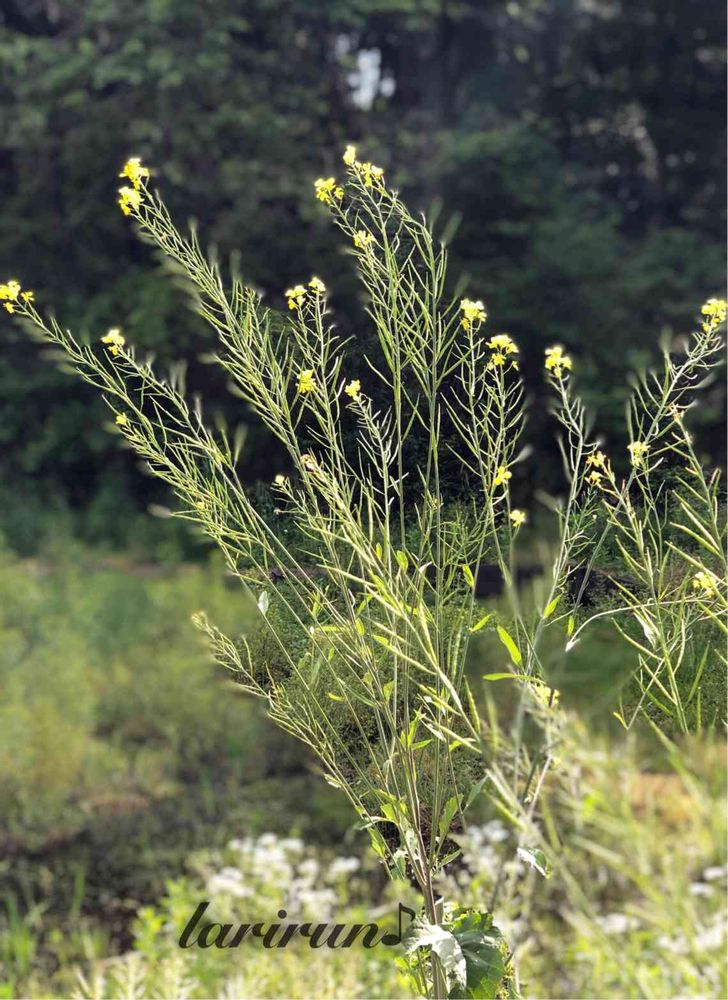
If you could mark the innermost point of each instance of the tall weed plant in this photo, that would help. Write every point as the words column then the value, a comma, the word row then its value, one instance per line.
column 384, row 615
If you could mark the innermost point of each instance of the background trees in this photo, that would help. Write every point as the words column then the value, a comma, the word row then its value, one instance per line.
column 573, row 150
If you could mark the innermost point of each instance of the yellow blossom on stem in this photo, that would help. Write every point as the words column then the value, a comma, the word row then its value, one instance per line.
column 594, row 478
column 556, row 361
column 372, row 175
column 362, row 239
column 121, row 420
column 296, row 296
column 113, row 341
column 306, row 382
column 715, row 312
column 135, row 171
column 502, row 476
column 317, row 286
column 518, row 518
column 349, row 156
column 280, row 479
column 327, row 190
column 129, row 200
column 704, row 581
column 353, row 388
column 598, row 460
column 638, row 451
column 473, row 312
column 503, row 343
column 11, row 295
column 497, row 360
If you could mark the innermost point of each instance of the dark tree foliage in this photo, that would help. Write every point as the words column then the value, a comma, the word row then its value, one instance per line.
column 572, row 151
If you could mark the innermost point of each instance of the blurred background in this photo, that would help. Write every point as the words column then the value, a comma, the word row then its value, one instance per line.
column 571, row 152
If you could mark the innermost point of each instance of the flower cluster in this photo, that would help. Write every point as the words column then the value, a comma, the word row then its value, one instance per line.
column 556, row 361
column 362, row 239
column 11, row 295
column 704, row 581
column 518, row 517
column 715, row 312
column 371, row 175
column 327, row 190
column 297, row 295
column 113, row 341
column 130, row 198
column 638, row 451
column 306, row 382
column 501, row 347
column 598, row 464
column 353, row 388
column 473, row 313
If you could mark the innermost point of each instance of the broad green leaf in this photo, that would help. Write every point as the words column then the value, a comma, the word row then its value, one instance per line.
column 443, row 944
column 509, row 644
column 536, row 859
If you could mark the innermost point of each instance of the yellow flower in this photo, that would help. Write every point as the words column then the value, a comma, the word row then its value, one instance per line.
column 518, row 517
column 353, row 388
column 129, row 200
column 327, row 190
column 637, row 451
column 317, row 286
column 502, row 343
column 557, row 361
column 598, row 460
column 135, row 172
column 113, row 341
column 363, row 239
column 594, row 478
column 715, row 311
column 704, row 581
column 306, row 382
column 502, row 476
column 10, row 292
column 349, row 156
column 371, row 175
column 296, row 296
column 280, row 479
column 121, row 420
column 473, row 312
column 497, row 360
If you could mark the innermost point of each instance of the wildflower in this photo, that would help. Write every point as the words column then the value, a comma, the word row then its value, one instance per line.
column 557, row 361
column 371, row 175
column 135, row 172
column 349, row 156
column 363, row 239
column 637, row 451
column 113, row 341
column 497, row 360
column 502, row 342
column 306, row 382
column 502, row 476
column 518, row 517
column 280, row 479
column 121, row 420
column 473, row 312
column 353, row 388
column 594, row 478
column 327, row 190
column 598, row 460
column 296, row 296
column 10, row 292
column 129, row 200
column 317, row 286
column 309, row 463
column 715, row 311
column 704, row 581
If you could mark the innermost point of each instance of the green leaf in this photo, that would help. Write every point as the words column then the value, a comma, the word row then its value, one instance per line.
column 402, row 559
column 508, row 674
column 536, row 859
column 468, row 574
column 443, row 944
column 448, row 812
column 509, row 644
column 480, row 943
column 334, row 697
column 570, row 625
